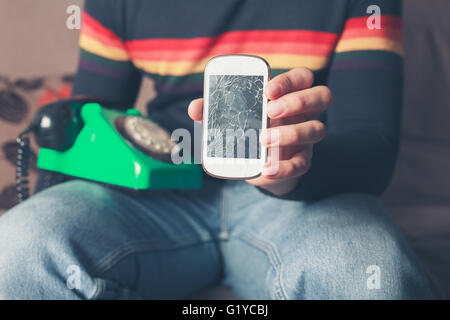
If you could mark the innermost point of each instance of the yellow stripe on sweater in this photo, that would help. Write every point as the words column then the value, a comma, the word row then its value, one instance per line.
column 96, row 47
column 276, row 61
column 360, row 44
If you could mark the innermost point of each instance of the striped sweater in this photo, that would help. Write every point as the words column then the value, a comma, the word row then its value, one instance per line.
column 171, row 41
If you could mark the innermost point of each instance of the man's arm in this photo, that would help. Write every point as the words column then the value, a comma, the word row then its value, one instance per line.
column 105, row 69
column 359, row 151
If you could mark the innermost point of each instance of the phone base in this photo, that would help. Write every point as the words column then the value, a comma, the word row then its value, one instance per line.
column 101, row 154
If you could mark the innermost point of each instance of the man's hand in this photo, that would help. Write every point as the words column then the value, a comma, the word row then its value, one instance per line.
column 292, row 106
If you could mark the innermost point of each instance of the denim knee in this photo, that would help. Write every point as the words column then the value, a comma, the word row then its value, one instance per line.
column 24, row 246
column 36, row 248
column 352, row 250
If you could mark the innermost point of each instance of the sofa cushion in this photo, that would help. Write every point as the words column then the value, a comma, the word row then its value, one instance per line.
column 419, row 194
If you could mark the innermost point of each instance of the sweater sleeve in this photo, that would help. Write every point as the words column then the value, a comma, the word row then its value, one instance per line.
column 360, row 149
column 105, row 69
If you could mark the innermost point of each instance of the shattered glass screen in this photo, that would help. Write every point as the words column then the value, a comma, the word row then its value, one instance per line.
column 235, row 116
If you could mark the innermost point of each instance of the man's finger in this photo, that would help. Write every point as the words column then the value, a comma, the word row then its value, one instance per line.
column 312, row 101
column 296, row 166
column 195, row 109
column 294, row 80
column 308, row 132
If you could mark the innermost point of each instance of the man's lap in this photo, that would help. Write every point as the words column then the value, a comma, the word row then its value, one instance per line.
column 317, row 250
column 171, row 243
column 119, row 242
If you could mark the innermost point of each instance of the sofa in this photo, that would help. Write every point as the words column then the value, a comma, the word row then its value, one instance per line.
column 419, row 195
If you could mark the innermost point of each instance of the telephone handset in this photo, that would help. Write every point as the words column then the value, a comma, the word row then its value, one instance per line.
column 94, row 139
column 55, row 126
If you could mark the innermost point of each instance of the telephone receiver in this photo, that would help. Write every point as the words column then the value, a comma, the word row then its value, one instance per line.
column 97, row 140
column 54, row 126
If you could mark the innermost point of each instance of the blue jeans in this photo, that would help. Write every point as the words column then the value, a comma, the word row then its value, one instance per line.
column 83, row 240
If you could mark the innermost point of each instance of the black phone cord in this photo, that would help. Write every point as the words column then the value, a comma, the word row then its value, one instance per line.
column 23, row 166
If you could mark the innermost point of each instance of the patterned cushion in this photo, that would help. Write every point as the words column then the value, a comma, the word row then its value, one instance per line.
column 19, row 100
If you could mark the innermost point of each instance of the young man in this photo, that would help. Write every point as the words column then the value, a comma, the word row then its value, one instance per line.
column 313, row 229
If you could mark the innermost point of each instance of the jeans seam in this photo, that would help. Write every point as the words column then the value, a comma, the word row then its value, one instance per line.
column 98, row 289
column 223, row 217
column 270, row 250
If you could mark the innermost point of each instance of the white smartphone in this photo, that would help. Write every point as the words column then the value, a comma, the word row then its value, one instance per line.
column 234, row 114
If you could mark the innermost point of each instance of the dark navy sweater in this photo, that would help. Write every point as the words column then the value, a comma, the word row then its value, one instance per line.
column 170, row 41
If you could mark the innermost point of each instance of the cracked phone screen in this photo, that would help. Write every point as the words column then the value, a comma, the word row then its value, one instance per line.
column 235, row 116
